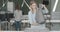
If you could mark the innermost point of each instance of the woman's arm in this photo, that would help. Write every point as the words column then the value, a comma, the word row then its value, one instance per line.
column 29, row 17
column 45, row 9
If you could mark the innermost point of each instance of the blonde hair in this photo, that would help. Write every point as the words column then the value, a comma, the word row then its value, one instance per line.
column 31, row 2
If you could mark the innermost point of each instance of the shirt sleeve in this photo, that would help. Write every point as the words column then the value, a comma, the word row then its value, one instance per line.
column 14, row 13
column 46, row 10
column 29, row 18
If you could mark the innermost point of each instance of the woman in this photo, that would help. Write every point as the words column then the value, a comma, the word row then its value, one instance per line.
column 32, row 12
column 18, row 15
column 44, row 9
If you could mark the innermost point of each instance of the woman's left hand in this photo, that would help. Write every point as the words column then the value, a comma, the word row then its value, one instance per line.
column 34, row 24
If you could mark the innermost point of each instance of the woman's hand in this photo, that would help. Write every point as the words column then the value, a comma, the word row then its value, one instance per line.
column 35, row 24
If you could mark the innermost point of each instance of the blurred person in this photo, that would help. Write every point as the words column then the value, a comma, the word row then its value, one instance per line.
column 45, row 10
column 44, row 5
column 35, row 14
column 17, row 15
column 32, row 12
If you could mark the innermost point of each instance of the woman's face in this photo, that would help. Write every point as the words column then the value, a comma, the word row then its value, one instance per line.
column 34, row 6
